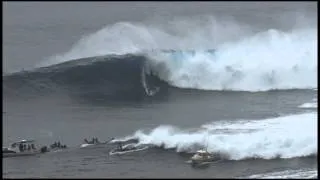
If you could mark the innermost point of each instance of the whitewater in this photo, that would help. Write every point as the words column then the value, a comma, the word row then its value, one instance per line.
column 288, row 174
column 282, row 137
column 245, row 59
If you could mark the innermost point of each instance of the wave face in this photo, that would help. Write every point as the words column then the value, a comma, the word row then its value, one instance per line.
column 280, row 137
column 106, row 77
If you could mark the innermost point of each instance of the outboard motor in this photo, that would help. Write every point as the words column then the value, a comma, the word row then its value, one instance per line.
column 44, row 149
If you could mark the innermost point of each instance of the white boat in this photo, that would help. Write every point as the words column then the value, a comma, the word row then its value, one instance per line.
column 202, row 156
column 16, row 149
column 129, row 148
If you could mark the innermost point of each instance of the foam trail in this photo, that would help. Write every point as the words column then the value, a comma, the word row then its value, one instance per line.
column 309, row 105
column 288, row 174
column 284, row 137
column 265, row 61
column 313, row 104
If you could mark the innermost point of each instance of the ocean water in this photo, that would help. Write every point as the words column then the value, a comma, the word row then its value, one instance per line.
column 237, row 78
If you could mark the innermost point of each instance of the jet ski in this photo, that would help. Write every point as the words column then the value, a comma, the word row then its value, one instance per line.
column 129, row 148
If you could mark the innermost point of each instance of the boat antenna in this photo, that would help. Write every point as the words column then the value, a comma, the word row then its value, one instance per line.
column 207, row 141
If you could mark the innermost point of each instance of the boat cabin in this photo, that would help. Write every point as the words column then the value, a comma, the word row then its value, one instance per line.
column 201, row 154
column 23, row 145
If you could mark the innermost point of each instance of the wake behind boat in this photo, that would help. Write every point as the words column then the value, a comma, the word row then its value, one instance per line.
column 22, row 148
column 129, row 148
column 94, row 143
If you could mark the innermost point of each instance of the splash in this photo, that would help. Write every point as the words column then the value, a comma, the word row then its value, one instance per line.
column 266, row 61
column 281, row 137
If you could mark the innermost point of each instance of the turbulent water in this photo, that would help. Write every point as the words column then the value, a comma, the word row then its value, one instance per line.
column 244, row 90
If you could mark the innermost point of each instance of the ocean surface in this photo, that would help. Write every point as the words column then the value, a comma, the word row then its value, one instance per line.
column 239, row 79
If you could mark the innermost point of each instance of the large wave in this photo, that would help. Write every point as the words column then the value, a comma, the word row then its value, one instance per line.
column 127, row 60
column 246, row 58
column 282, row 137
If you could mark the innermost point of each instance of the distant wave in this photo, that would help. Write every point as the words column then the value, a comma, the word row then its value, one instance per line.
column 271, row 138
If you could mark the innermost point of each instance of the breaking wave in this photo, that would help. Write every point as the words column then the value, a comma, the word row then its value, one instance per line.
column 129, row 60
column 283, row 137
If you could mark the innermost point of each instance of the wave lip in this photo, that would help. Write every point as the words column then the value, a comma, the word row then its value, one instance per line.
column 280, row 137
